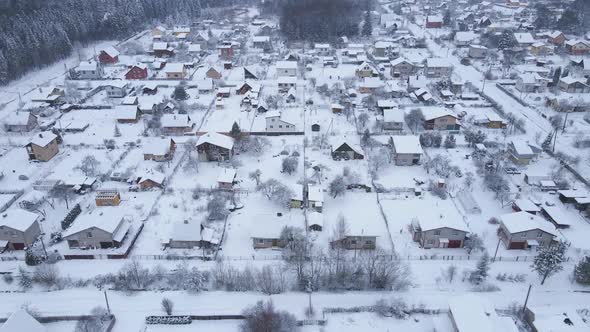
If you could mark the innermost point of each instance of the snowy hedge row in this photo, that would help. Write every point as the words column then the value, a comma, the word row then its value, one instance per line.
column 168, row 320
column 72, row 215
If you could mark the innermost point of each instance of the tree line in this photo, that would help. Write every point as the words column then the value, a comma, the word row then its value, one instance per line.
column 36, row 33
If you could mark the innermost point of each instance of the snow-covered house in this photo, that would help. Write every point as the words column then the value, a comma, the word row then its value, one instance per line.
column 213, row 146
column 526, row 205
column 137, row 72
column 315, row 220
column 524, row 39
column 438, row 67
column 43, row 146
column 175, row 71
column 346, row 150
column 286, row 83
column 355, row 240
column 465, row 38
column 88, row 70
column 531, row 82
column 176, row 124
column 315, row 197
column 475, row 313
column 434, row 21
column 286, row 68
column 151, row 179
column 477, row 51
column 522, row 230
column 19, row 229
column 267, row 233
column 442, row 231
column 407, row 150
column 188, row 234
column 162, row 50
column 109, row 55
column 520, row 152
column 365, row 69
column 541, row 49
column 20, row 122
column 393, row 119
column 440, row 119
column 116, row 89
column 401, row 68
column 21, row 320
column 553, row 318
column 103, row 228
column 573, row 85
column 322, row 49
column 557, row 216
column 213, row 72
column 226, row 178
column 577, row 46
column 261, row 42
column 160, row 149
column 127, row 113
column 277, row 123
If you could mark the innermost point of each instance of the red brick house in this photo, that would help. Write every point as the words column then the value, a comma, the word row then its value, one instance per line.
column 577, row 47
column 434, row 22
column 137, row 72
column 108, row 56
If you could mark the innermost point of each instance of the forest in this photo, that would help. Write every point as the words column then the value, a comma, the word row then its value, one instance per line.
column 35, row 33
column 321, row 20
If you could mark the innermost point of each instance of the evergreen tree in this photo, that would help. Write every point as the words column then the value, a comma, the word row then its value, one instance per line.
column 550, row 260
column 546, row 146
column 568, row 21
column 117, row 132
column 507, row 40
column 480, row 274
column 450, row 141
column 582, row 271
column 236, row 132
column 447, row 18
column 180, row 93
column 367, row 28
column 556, row 75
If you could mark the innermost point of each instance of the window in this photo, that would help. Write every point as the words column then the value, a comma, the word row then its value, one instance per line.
column 271, row 126
column 280, row 126
column 369, row 242
column 352, row 241
column 260, row 241
column 540, row 234
column 431, row 241
column 523, row 235
column 88, row 234
column 437, row 232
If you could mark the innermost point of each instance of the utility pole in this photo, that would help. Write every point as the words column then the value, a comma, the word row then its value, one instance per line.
column 43, row 244
column 527, row 298
column 564, row 122
column 106, row 299
column 497, row 247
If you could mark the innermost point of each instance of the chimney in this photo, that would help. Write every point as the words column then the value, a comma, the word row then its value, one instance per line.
column 40, row 135
column 186, row 221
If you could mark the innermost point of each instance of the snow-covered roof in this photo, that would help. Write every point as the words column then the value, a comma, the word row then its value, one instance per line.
column 216, row 139
column 160, row 46
column 17, row 118
column 286, row 64
column 194, row 47
column 321, row 46
column 315, row 193
column 21, row 320
column 107, row 218
column 116, row 84
column 432, row 113
column 571, row 80
column 465, row 36
column 260, row 39
column 574, row 193
column 525, row 204
column 522, row 221
column 315, row 218
column 18, row 219
column 174, row 67
column 42, row 139
column 557, row 214
column 226, row 175
column 524, row 38
column 522, row 148
column 407, row 144
column 558, row 319
column 87, row 66
column 393, row 115
column 126, row 112
column 434, row 18
column 287, row 80
column 398, row 61
column 186, row 230
column 355, row 147
column 175, row 120
column 152, row 175
column 157, row 146
column 111, row 51
column 474, row 313
column 438, row 63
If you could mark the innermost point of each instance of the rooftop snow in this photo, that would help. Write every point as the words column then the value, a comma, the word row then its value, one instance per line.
column 522, row 221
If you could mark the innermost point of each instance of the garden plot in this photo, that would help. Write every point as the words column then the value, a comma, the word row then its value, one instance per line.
column 401, row 212
column 70, row 166
column 330, row 168
column 258, row 218
column 365, row 321
column 222, row 119
column 15, row 162
column 406, row 178
column 361, row 213
column 99, row 125
column 174, row 207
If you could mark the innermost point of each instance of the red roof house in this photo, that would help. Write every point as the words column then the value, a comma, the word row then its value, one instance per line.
column 109, row 55
column 137, row 72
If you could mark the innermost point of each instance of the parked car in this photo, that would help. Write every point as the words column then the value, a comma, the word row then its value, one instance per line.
column 511, row 170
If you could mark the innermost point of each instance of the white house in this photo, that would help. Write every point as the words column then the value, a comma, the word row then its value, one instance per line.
column 286, row 68
column 276, row 122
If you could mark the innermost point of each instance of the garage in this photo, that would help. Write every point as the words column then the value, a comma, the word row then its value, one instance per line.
column 455, row 243
column 17, row 246
column 517, row 245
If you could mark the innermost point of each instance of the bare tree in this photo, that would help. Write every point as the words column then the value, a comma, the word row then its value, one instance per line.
column 263, row 317
column 216, row 207
column 415, row 118
column 337, row 186
column 89, row 166
column 255, row 175
column 289, row 165
column 95, row 323
column 276, row 192
column 167, row 306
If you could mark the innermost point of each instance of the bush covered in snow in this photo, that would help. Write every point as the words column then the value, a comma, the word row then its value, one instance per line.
column 168, row 320
column 71, row 216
